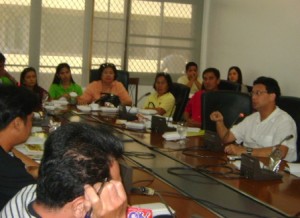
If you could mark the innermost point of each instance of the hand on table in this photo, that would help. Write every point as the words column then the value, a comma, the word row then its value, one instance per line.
column 235, row 149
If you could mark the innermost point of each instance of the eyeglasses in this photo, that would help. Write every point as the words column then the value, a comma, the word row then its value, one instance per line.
column 258, row 93
column 107, row 65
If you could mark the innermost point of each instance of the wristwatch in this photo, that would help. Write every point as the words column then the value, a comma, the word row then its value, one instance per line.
column 249, row 150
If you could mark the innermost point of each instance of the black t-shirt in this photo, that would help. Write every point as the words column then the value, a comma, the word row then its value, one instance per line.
column 13, row 177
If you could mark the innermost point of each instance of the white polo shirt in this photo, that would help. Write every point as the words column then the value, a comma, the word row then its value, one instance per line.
column 255, row 133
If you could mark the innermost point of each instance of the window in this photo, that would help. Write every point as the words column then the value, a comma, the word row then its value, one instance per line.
column 142, row 37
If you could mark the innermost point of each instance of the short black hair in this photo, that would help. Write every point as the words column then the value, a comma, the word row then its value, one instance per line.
column 107, row 65
column 190, row 64
column 213, row 70
column 167, row 77
column 75, row 154
column 15, row 102
column 271, row 85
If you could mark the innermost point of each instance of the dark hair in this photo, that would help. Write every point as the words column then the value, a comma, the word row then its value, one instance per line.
column 270, row 84
column 15, row 102
column 106, row 65
column 56, row 79
column 2, row 58
column 167, row 77
column 238, row 70
column 23, row 74
column 75, row 154
column 215, row 71
column 190, row 64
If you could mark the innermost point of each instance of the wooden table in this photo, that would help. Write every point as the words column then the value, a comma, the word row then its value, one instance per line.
column 280, row 196
column 171, row 196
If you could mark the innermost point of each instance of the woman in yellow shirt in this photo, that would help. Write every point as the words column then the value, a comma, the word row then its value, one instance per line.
column 161, row 100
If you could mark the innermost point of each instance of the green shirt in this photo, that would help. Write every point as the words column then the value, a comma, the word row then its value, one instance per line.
column 5, row 81
column 57, row 90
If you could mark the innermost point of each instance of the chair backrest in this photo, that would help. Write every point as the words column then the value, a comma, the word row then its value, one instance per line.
column 228, row 85
column 122, row 76
column 291, row 105
column 249, row 88
column 230, row 104
column 181, row 93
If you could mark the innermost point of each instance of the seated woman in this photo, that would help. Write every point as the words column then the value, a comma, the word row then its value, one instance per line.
column 162, row 100
column 63, row 83
column 235, row 75
column 28, row 79
column 5, row 77
column 107, row 83
column 191, row 79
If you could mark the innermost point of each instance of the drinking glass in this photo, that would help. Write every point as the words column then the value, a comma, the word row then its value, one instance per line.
column 182, row 130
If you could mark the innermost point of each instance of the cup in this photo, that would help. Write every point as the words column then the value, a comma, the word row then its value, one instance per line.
column 73, row 98
column 182, row 131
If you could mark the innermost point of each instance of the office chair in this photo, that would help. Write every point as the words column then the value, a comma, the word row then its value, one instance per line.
column 291, row 105
column 181, row 93
column 122, row 76
column 230, row 104
column 249, row 88
column 230, row 86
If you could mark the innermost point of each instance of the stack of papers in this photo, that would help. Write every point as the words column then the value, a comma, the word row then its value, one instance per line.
column 109, row 109
column 237, row 164
column 135, row 125
column 171, row 136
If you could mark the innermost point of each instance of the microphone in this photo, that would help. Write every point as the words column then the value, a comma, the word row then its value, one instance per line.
column 171, row 114
column 124, row 114
column 143, row 96
column 276, row 154
column 240, row 115
column 139, row 99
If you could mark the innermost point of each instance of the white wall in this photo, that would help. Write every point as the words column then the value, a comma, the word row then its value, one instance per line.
column 262, row 37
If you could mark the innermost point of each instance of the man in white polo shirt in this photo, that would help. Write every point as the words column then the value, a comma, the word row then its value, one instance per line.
column 263, row 131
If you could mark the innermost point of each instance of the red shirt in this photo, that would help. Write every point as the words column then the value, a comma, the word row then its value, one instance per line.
column 194, row 106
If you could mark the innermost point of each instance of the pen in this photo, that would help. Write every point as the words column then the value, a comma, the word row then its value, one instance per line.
column 89, row 213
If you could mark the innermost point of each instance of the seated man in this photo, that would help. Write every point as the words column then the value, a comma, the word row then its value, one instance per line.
column 76, row 156
column 16, row 170
column 191, row 78
column 263, row 130
column 193, row 109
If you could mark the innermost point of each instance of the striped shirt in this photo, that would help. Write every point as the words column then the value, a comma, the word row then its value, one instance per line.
column 18, row 205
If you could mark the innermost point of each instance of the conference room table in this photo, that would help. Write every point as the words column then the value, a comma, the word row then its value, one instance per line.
column 193, row 181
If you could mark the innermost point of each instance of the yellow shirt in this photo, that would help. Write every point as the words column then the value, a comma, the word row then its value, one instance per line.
column 166, row 102
column 184, row 80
